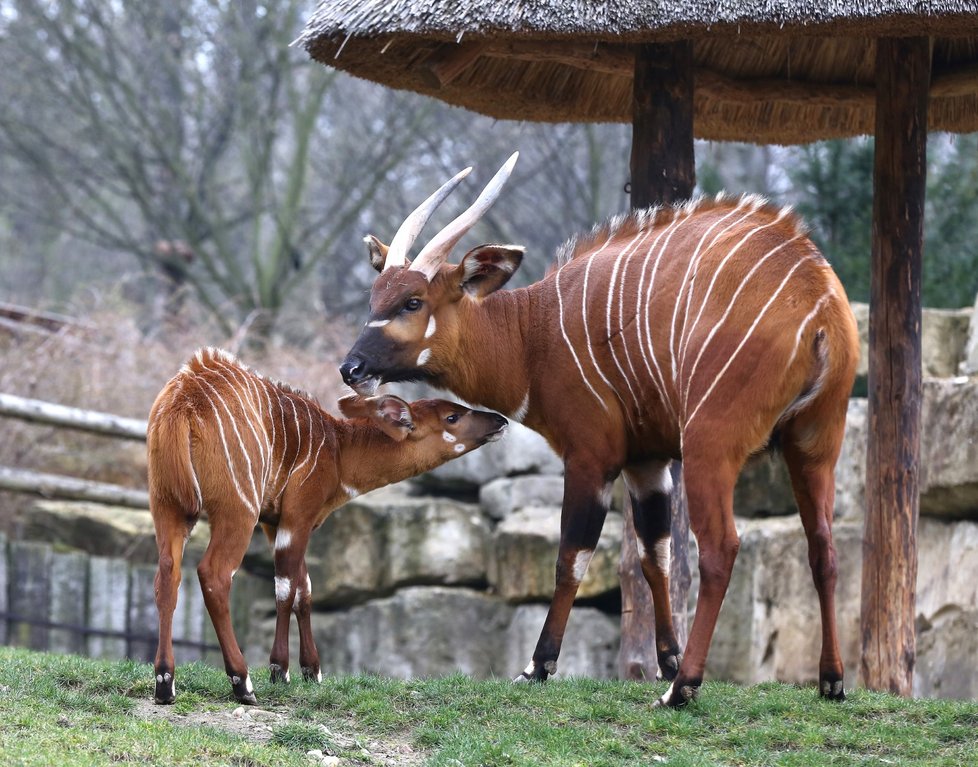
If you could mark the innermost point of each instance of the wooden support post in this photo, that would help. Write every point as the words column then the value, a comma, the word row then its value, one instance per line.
column 663, row 171
column 889, row 539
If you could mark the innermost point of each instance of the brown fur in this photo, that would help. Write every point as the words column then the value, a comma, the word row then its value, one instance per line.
column 228, row 442
column 693, row 332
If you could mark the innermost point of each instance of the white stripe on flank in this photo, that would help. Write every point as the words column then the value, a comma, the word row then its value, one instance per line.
column 750, row 332
column 684, row 336
column 248, row 421
column 570, row 346
column 684, row 341
column 319, row 449
column 587, row 332
column 668, row 232
column 690, row 268
column 631, row 247
column 804, row 323
column 726, row 313
column 309, row 435
column 224, row 444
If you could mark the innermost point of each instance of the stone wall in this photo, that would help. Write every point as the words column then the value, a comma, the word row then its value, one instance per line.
column 454, row 570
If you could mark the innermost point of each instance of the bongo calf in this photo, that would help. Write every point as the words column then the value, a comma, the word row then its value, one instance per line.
column 228, row 442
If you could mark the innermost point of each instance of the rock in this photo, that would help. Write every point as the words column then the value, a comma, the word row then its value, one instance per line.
column 501, row 497
column 386, row 539
column 768, row 625
column 850, row 469
column 969, row 362
column 947, row 646
column 524, row 558
column 764, row 488
column 589, row 648
column 520, row 451
column 947, row 561
column 418, row 632
column 945, row 342
column 949, row 449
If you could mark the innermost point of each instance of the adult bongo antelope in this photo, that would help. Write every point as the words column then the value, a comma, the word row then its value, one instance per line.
column 245, row 450
column 707, row 331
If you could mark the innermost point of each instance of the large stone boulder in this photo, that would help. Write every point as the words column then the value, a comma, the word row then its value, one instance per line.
column 387, row 539
column 944, row 338
column 850, row 469
column 524, row 556
column 969, row 362
column 949, row 449
column 100, row 530
column 947, row 646
column 520, row 451
column 501, row 497
column 589, row 648
column 417, row 632
column 764, row 488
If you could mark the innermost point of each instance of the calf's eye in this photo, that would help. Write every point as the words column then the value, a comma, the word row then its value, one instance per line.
column 453, row 418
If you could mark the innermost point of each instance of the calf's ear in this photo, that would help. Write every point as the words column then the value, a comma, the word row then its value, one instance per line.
column 393, row 415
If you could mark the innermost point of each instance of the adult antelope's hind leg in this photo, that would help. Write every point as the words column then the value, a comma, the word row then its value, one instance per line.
column 227, row 547
column 172, row 529
column 710, row 479
column 586, row 501
column 813, row 482
column 650, row 488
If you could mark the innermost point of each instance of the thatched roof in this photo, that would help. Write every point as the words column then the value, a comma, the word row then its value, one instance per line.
column 780, row 71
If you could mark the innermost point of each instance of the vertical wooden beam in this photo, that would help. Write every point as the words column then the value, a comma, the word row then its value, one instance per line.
column 889, row 539
column 663, row 171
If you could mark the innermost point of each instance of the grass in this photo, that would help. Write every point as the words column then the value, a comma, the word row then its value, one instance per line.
column 67, row 710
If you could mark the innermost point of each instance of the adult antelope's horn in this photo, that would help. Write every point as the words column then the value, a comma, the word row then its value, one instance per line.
column 436, row 251
column 413, row 224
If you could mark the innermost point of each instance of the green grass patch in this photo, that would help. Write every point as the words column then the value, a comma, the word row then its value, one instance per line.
column 68, row 711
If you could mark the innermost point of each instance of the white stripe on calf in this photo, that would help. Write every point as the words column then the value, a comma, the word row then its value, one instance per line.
column 253, row 505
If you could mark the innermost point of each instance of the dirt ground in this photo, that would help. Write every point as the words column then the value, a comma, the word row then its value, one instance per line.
column 256, row 723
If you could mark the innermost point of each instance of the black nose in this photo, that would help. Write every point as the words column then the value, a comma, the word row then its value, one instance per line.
column 353, row 370
column 500, row 420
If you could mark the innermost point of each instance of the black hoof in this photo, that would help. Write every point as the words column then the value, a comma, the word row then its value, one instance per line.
column 166, row 691
column 312, row 674
column 678, row 694
column 277, row 674
column 243, row 691
column 831, row 688
column 536, row 673
column 669, row 664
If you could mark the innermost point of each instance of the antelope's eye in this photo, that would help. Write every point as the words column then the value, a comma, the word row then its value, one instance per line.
column 453, row 418
column 412, row 304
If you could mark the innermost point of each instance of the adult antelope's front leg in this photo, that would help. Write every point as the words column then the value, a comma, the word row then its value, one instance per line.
column 650, row 488
column 587, row 495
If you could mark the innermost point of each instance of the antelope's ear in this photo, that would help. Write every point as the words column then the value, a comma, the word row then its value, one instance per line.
column 377, row 252
column 393, row 415
column 487, row 268
column 354, row 406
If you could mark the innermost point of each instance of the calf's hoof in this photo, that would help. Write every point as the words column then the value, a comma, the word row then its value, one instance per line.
column 312, row 674
column 277, row 674
column 166, row 691
column 831, row 688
